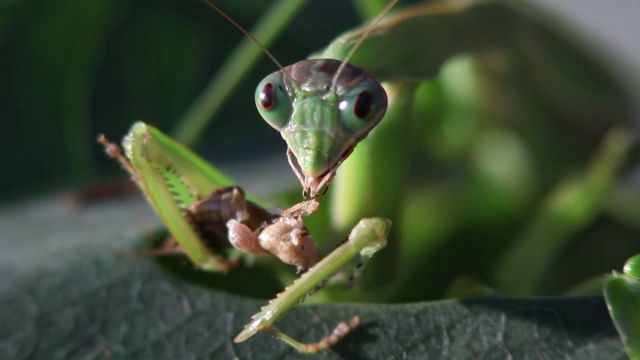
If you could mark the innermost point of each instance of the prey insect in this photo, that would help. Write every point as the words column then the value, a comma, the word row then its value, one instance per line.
column 224, row 218
column 215, row 224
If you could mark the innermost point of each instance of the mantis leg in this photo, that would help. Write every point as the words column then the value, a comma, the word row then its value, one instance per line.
column 342, row 330
column 366, row 238
column 171, row 177
column 383, row 152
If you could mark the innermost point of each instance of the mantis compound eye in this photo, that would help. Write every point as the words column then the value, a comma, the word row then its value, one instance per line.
column 273, row 102
column 267, row 96
column 362, row 109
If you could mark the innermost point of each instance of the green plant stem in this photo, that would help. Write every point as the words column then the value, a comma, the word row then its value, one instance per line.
column 571, row 206
column 190, row 127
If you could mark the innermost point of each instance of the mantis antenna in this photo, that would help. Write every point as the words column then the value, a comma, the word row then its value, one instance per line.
column 248, row 34
column 361, row 39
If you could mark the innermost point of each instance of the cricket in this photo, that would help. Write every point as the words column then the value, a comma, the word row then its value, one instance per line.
column 322, row 108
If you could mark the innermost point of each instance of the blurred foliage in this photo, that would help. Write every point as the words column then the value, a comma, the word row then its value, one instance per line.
column 71, row 70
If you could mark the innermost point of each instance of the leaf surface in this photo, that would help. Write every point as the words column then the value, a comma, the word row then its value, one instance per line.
column 66, row 294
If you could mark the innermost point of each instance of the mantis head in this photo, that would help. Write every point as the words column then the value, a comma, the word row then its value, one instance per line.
column 321, row 114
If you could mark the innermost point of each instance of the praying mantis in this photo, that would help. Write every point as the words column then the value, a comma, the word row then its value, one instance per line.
column 171, row 177
column 355, row 192
column 323, row 108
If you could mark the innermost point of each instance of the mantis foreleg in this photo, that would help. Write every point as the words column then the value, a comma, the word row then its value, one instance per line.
column 367, row 237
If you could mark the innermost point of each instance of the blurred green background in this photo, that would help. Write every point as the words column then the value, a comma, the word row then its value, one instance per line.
column 70, row 70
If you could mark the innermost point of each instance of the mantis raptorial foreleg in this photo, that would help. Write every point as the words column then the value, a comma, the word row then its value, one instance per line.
column 366, row 238
column 171, row 177
column 197, row 205
column 283, row 235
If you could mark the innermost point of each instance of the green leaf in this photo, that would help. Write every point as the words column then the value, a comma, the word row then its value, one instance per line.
column 622, row 293
column 66, row 294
